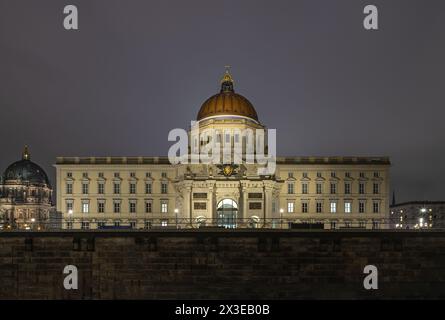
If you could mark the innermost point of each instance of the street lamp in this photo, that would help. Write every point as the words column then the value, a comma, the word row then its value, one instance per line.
column 281, row 217
column 176, row 214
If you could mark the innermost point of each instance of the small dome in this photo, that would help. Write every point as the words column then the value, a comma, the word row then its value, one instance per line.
column 227, row 103
column 26, row 171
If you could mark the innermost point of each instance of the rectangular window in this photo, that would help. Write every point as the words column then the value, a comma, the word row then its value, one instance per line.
column 319, row 207
column 347, row 174
column 333, row 225
column 132, row 174
column 101, row 207
column 117, row 188
column 319, row 175
column 69, row 206
column 290, row 207
column 319, row 188
column 148, row 207
column 132, row 207
column 333, row 175
column 290, row 188
column 290, row 174
column 132, row 187
column 361, row 207
column 164, row 174
column 85, row 207
column 255, row 205
column 117, row 207
column 376, row 188
column 199, row 205
column 148, row 188
column 69, row 225
column 85, row 225
column 347, row 188
column 304, row 207
column 85, row 188
column 69, row 188
column 101, row 188
column 361, row 188
column 347, row 207
column 375, row 225
column 362, row 174
column 85, row 174
column 101, row 174
column 333, row 188
column 164, row 187
column 304, row 188
column 116, row 175
column 69, row 174
column 164, row 223
column 375, row 207
column 333, row 207
column 376, row 174
column 164, row 206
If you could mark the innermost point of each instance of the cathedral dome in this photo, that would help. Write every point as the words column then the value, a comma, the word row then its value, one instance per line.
column 227, row 103
column 26, row 171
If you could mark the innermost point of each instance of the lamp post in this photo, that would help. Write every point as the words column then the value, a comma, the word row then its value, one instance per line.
column 281, row 218
column 176, row 215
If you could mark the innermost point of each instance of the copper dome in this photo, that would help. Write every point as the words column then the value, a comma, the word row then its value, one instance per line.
column 227, row 103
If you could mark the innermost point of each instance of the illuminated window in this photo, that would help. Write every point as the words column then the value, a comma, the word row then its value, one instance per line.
column 290, row 207
column 333, row 207
column 85, row 207
column 164, row 206
column 347, row 207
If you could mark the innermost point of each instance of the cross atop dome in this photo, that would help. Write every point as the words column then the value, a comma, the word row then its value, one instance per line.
column 25, row 154
column 227, row 81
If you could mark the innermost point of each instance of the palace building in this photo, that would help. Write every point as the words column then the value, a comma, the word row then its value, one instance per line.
column 151, row 192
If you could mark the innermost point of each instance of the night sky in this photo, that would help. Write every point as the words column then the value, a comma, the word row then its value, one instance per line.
column 136, row 69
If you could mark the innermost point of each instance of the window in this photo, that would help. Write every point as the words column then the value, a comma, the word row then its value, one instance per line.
column 100, row 188
column 117, row 188
column 255, row 205
column 85, row 207
column 347, row 188
column 304, row 188
column 199, row 205
column 69, row 225
column 319, row 175
column 290, row 188
column 361, row 207
column 101, row 174
column 290, row 207
column 85, row 188
column 376, row 188
column 333, row 207
column 69, row 174
column 375, row 207
column 333, row 175
column 69, row 188
column 117, row 207
column 101, row 224
column 362, row 174
column 361, row 188
column 132, row 174
column 85, row 174
column 164, row 223
column 101, row 206
column 164, row 206
column 117, row 223
column 333, row 225
column 132, row 187
column 132, row 207
column 319, row 207
column 304, row 207
column 347, row 207
column 164, row 175
column 347, row 174
column 290, row 175
column 164, row 187
column 148, row 188
column 319, row 188
column 148, row 174
column 116, row 175
column 347, row 224
column 69, row 206
column 85, row 225
column 304, row 174
column 362, row 224
column 376, row 174
column 375, row 225
column 147, row 225
column 132, row 225
column 148, row 206
column 333, row 188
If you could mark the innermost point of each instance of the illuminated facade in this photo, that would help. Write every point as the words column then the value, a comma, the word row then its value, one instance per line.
column 146, row 192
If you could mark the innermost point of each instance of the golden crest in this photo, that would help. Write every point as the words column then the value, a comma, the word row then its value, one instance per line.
column 228, row 170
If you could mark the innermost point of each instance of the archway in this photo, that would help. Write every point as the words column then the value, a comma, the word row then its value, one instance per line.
column 227, row 211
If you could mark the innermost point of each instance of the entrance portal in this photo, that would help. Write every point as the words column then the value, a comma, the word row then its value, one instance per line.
column 227, row 211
